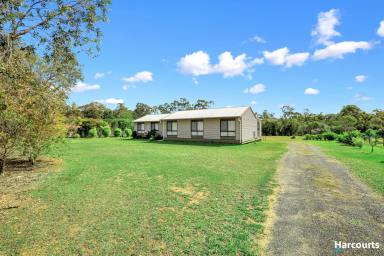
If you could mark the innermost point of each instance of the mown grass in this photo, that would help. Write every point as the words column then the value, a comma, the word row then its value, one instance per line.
column 366, row 165
column 122, row 197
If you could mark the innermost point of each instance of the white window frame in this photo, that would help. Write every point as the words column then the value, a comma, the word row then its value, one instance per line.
column 230, row 131
column 200, row 128
column 172, row 132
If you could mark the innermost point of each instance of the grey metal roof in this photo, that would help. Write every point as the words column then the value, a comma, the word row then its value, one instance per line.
column 207, row 113
column 150, row 118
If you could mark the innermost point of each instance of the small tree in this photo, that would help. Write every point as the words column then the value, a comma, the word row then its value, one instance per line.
column 380, row 133
column 117, row 132
column 106, row 131
column 372, row 137
column 92, row 132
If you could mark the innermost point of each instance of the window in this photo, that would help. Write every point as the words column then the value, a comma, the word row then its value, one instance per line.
column 197, row 128
column 140, row 127
column 154, row 126
column 172, row 128
column 227, row 128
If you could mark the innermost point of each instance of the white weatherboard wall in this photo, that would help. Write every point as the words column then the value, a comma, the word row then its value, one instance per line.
column 212, row 129
column 249, row 126
column 184, row 129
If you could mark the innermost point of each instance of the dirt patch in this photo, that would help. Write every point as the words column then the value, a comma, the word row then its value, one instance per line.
column 195, row 197
column 19, row 177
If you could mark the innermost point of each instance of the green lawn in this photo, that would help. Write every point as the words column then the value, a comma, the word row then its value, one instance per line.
column 366, row 165
column 120, row 197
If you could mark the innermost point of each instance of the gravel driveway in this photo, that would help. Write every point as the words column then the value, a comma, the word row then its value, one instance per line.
column 320, row 202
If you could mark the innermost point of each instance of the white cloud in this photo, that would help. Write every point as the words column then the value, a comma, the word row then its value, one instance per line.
column 195, row 81
column 338, row 50
column 111, row 101
column 140, row 77
column 230, row 66
column 296, row 59
column 198, row 63
column 99, row 75
column 380, row 30
column 276, row 57
column 362, row 97
column 256, row 61
column 257, row 39
column 360, row 78
column 311, row 91
column 325, row 28
column 257, row 88
column 253, row 103
column 282, row 57
column 82, row 87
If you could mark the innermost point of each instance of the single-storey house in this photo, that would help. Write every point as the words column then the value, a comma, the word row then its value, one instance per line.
column 148, row 123
column 229, row 125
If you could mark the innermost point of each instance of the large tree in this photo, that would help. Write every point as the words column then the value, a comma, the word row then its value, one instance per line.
column 39, row 40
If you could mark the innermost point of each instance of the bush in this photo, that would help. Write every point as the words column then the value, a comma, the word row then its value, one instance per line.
column 357, row 142
column 293, row 137
column 128, row 132
column 134, row 134
column 329, row 135
column 76, row 136
column 347, row 137
column 307, row 137
column 106, row 131
column 92, row 132
column 117, row 132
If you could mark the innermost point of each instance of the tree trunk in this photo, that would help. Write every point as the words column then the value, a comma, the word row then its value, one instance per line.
column 2, row 166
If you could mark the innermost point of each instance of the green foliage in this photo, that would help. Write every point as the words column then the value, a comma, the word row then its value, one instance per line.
column 357, row 142
column 350, row 118
column 134, row 135
column 106, row 131
column 76, row 136
column 92, row 132
column 117, row 132
column 128, row 132
column 329, row 135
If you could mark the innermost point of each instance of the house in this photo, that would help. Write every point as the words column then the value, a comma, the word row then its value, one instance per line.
column 229, row 125
column 148, row 123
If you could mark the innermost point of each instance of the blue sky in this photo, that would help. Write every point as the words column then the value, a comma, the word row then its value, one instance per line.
column 319, row 55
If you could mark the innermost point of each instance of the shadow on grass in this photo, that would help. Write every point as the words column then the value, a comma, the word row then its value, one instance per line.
column 190, row 143
column 22, row 165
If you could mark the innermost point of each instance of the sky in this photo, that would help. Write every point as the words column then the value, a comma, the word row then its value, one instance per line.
column 319, row 55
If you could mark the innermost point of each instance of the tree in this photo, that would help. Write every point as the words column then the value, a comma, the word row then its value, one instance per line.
column 93, row 110
column 372, row 137
column 122, row 111
column 142, row 110
column 203, row 104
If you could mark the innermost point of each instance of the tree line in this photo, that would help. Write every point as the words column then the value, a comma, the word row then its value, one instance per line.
column 350, row 122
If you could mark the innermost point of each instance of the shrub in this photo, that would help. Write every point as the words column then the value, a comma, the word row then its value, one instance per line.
column 347, row 137
column 106, row 131
column 357, row 142
column 92, row 132
column 293, row 137
column 117, row 132
column 329, row 135
column 134, row 134
column 318, row 137
column 128, row 132
column 307, row 137
column 76, row 136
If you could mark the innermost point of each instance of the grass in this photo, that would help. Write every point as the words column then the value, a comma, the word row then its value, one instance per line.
column 122, row 197
column 366, row 165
